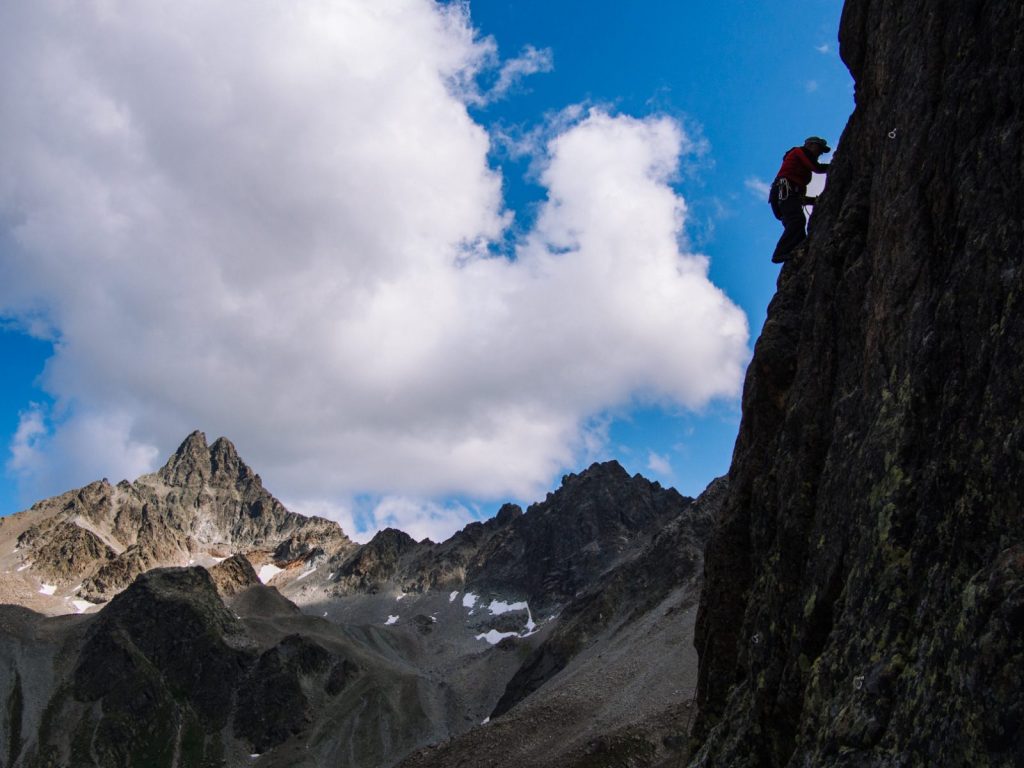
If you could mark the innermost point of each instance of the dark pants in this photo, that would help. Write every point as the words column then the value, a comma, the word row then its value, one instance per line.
column 790, row 212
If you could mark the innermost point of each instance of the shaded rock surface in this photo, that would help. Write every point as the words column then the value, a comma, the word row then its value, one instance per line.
column 595, row 520
column 613, row 679
column 156, row 675
column 864, row 582
column 619, row 597
column 167, row 675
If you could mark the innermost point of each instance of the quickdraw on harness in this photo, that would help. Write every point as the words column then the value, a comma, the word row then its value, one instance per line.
column 784, row 188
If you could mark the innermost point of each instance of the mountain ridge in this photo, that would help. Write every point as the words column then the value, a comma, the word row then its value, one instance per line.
column 369, row 654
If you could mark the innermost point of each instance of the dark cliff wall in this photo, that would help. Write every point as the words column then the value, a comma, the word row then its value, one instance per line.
column 864, row 597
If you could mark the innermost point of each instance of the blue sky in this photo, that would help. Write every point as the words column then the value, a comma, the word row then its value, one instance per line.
column 729, row 85
column 753, row 78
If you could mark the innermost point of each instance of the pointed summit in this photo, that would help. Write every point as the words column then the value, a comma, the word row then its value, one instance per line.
column 227, row 467
column 190, row 464
column 602, row 471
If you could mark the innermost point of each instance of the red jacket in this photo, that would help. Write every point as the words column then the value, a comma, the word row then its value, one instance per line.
column 797, row 166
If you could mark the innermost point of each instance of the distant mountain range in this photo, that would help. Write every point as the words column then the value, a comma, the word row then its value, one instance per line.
column 188, row 618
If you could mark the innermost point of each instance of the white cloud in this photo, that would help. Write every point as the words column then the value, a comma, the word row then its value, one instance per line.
column 530, row 62
column 87, row 446
column 418, row 518
column 279, row 235
column 25, row 453
column 811, row 86
column 817, row 183
column 342, row 512
column 659, row 464
column 759, row 187
column 823, row 48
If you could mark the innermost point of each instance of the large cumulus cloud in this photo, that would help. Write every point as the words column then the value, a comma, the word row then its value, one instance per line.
column 272, row 221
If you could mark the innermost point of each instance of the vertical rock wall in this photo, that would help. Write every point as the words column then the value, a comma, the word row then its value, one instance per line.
column 864, row 597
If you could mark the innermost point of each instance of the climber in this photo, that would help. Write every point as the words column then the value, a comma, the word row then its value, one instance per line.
column 788, row 193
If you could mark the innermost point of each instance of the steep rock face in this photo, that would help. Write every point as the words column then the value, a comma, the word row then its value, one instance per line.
column 863, row 597
column 66, row 549
column 444, row 565
column 204, row 501
column 274, row 701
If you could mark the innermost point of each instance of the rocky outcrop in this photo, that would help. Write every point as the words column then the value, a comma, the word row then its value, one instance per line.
column 375, row 563
column 204, row 502
column 233, row 575
column 64, row 550
column 863, row 598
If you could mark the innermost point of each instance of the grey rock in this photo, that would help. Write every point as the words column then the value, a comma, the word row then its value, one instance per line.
column 863, row 582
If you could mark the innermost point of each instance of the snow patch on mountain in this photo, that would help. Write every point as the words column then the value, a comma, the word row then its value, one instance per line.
column 268, row 571
column 498, row 607
column 494, row 636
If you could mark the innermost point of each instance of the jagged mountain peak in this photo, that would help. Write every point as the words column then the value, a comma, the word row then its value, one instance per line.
column 196, row 463
column 204, row 504
column 507, row 514
column 190, row 464
column 598, row 471
column 604, row 494
column 227, row 466
column 393, row 538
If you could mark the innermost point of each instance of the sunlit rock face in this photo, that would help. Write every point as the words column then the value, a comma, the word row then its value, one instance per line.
column 863, row 586
column 205, row 504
